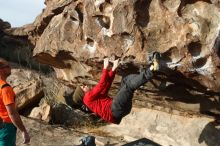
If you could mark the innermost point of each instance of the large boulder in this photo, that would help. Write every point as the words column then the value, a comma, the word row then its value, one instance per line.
column 83, row 32
column 43, row 112
column 27, row 85
column 74, row 36
column 165, row 129
column 4, row 25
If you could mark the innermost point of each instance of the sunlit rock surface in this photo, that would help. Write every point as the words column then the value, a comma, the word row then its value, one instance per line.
column 74, row 35
column 166, row 129
column 27, row 86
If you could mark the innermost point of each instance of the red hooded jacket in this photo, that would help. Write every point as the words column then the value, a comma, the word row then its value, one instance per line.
column 97, row 99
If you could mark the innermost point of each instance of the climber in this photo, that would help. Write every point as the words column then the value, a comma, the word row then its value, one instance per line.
column 8, row 112
column 112, row 109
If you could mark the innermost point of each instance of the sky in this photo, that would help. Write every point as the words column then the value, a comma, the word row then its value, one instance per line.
column 20, row 12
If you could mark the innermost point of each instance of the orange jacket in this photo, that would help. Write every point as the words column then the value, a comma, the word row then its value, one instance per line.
column 7, row 96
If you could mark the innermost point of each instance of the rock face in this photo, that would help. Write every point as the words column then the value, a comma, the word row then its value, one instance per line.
column 42, row 112
column 73, row 35
column 4, row 25
column 166, row 129
column 27, row 86
column 148, row 126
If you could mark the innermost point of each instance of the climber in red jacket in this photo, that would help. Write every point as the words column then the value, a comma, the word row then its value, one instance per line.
column 112, row 109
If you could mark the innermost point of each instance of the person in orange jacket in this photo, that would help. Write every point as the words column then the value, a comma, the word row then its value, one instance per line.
column 8, row 113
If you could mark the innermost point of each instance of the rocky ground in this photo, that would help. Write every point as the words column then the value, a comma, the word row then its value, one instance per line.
column 47, row 135
column 141, row 127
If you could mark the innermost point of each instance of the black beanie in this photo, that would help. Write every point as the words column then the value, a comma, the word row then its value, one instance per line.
column 78, row 96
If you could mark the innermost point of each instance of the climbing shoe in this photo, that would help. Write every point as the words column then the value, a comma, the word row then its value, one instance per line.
column 154, row 61
column 155, row 66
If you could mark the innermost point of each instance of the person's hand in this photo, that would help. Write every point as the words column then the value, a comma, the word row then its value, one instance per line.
column 26, row 137
column 115, row 64
column 106, row 63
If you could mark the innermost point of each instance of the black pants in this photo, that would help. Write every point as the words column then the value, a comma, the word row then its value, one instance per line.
column 122, row 103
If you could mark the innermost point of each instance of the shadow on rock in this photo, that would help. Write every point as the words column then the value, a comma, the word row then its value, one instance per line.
column 211, row 134
column 208, row 104
column 142, row 142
